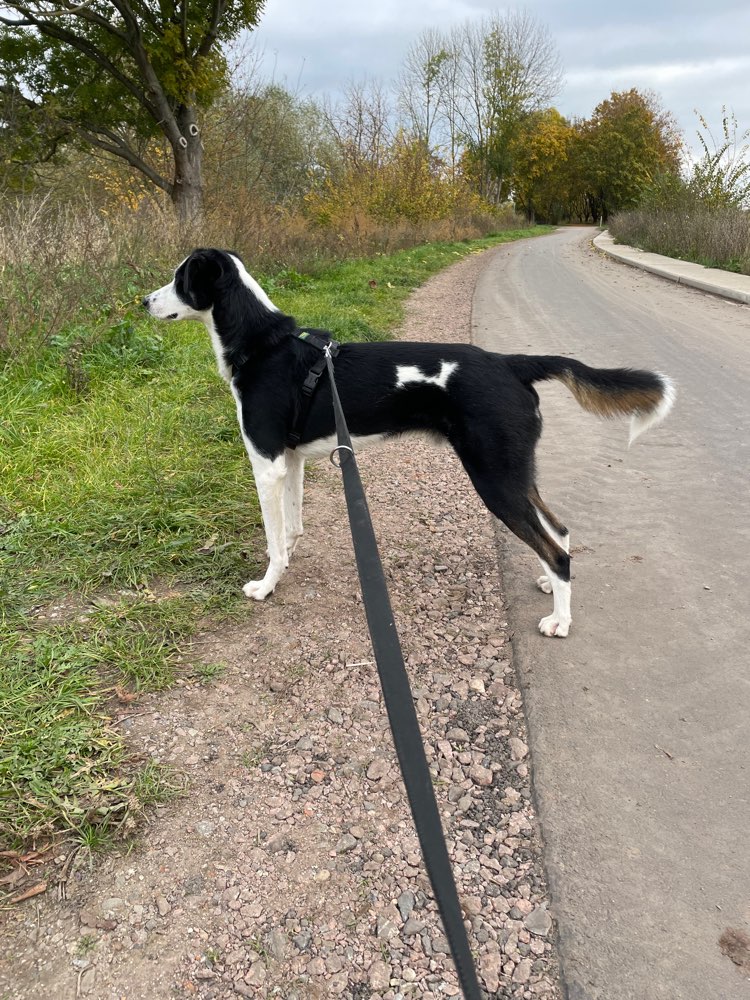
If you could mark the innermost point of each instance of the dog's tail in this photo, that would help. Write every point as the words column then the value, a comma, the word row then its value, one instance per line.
column 646, row 397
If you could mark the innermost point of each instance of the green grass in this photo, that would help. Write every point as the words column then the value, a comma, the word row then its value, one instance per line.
column 127, row 511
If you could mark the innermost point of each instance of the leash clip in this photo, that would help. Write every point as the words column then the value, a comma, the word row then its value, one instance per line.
column 341, row 447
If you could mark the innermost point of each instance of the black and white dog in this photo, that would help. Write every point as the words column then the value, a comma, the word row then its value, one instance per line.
column 483, row 404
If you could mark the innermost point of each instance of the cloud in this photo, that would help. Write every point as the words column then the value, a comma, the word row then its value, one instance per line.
column 657, row 75
column 692, row 54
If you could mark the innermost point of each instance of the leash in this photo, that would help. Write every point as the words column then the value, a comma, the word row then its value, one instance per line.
column 399, row 703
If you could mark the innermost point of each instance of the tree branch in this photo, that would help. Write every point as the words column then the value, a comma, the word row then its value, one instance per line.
column 183, row 26
column 60, row 34
column 206, row 43
column 163, row 109
column 118, row 147
column 78, row 10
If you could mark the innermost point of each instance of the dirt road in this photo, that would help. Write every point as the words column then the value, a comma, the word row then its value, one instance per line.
column 640, row 720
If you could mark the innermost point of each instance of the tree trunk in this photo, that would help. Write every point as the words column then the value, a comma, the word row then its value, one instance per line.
column 187, row 190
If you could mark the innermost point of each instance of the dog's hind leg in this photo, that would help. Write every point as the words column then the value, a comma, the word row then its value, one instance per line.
column 554, row 527
column 555, row 560
column 533, row 528
column 510, row 502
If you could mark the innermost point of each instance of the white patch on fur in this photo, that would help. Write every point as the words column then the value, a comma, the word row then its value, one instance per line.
column 641, row 422
column 294, row 488
column 221, row 362
column 249, row 282
column 562, row 540
column 543, row 582
column 410, row 373
column 322, row 447
column 165, row 303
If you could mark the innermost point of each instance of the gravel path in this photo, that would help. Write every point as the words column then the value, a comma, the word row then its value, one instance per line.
column 291, row 869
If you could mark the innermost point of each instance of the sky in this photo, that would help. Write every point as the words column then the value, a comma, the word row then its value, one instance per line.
column 694, row 55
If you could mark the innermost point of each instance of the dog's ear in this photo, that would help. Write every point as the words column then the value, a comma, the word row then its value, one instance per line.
column 203, row 268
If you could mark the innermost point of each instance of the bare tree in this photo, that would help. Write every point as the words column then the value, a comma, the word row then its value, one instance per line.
column 508, row 67
column 361, row 123
column 422, row 93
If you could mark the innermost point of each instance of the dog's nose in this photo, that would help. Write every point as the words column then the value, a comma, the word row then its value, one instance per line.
column 144, row 302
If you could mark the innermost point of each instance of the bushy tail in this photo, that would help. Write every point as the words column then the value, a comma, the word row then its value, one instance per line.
column 646, row 397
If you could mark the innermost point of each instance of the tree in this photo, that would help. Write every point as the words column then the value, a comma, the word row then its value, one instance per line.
column 510, row 69
column 263, row 140
column 539, row 152
column 119, row 75
column 422, row 91
column 628, row 142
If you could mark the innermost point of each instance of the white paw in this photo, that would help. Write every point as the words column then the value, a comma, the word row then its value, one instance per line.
column 552, row 625
column 257, row 589
column 544, row 585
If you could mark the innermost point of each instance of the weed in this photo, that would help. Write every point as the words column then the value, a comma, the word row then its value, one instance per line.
column 207, row 672
column 252, row 758
column 157, row 783
column 86, row 944
column 94, row 839
column 256, row 944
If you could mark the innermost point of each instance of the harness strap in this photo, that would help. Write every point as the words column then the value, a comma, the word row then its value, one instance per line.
column 310, row 384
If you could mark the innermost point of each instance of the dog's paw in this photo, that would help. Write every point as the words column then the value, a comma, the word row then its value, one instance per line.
column 551, row 625
column 257, row 589
column 544, row 585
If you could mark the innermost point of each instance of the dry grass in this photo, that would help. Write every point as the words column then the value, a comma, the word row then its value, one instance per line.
column 715, row 238
column 60, row 265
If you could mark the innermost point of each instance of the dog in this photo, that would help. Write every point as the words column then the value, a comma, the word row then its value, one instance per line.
column 484, row 404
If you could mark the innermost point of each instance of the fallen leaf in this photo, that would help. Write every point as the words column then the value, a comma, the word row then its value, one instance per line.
column 735, row 944
column 124, row 695
column 35, row 890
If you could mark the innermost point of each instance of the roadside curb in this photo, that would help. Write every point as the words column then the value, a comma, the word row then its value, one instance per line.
column 707, row 279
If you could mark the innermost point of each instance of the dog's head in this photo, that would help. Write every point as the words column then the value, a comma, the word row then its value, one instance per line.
column 193, row 291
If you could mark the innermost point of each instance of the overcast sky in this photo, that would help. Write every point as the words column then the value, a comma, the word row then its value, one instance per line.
column 693, row 54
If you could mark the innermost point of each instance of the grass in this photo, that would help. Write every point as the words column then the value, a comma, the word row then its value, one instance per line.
column 712, row 237
column 127, row 521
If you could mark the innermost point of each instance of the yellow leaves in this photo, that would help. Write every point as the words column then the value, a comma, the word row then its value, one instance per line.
column 119, row 188
column 408, row 184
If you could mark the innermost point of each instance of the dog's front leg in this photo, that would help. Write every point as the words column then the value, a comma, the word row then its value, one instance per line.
column 270, row 476
column 293, row 491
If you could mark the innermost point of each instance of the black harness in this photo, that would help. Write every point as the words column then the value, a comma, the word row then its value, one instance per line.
column 326, row 346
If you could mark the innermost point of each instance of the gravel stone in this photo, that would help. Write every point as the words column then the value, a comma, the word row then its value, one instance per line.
column 405, row 904
column 538, row 922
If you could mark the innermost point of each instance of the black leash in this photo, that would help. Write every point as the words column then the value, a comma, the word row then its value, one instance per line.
column 399, row 704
